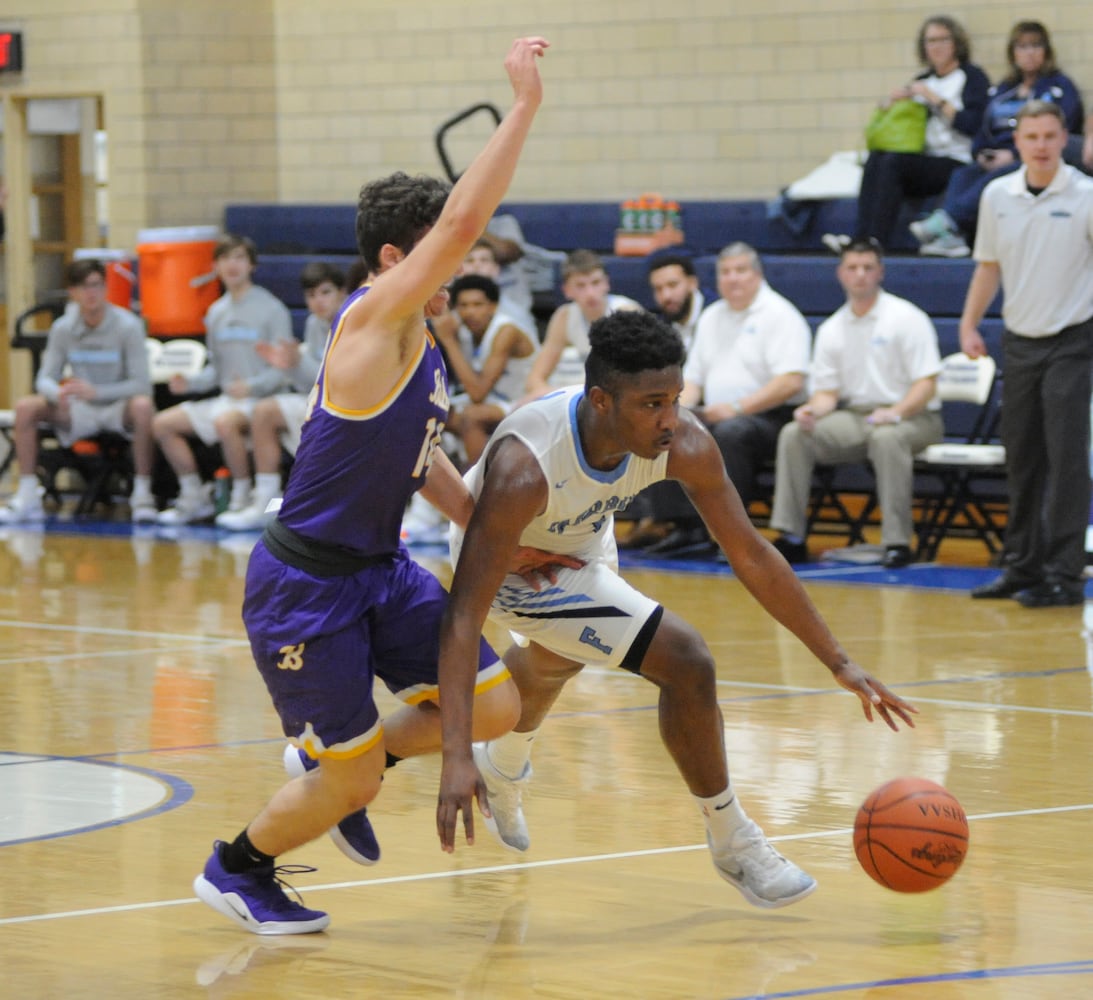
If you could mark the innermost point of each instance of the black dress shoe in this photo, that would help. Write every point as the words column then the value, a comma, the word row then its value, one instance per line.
column 1002, row 586
column 681, row 541
column 897, row 556
column 792, row 552
column 1053, row 595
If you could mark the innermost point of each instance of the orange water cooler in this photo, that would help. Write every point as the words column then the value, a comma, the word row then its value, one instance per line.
column 177, row 278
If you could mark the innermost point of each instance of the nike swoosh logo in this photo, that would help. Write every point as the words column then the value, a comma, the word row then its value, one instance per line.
column 726, row 805
column 560, row 485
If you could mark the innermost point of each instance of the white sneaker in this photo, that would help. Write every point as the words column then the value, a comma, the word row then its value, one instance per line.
column 186, row 510
column 761, row 874
column 250, row 518
column 20, row 510
column 507, row 823
column 946, row 245
column 836, row 242
column 142, row 509
column 936, row 224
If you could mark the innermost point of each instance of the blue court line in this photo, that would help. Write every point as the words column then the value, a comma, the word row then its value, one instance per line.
column 1079, row 967
column 179, row 793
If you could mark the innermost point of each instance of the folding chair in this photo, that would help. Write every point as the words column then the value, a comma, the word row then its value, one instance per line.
column 971, row 496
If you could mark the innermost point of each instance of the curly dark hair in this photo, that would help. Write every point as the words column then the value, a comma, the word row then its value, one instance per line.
column 629, row 342
column 398, row 210
column 474, row 283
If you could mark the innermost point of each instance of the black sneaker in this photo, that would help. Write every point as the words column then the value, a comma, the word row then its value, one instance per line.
column 897, row 556
column 792, row 552
column 1001, row 587
column 1053, row 595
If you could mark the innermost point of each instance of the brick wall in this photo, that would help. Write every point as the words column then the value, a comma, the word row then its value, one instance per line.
column 208, row 102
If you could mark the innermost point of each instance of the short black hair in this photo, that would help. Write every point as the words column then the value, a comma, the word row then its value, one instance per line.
column 318, row 271
column 629, row 342
column 867, row 244
column 475, row 283
column 78, row 271
column 677, row 259
column 399, row 210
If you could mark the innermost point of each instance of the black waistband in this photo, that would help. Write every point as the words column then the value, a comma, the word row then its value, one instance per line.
column 315, row 557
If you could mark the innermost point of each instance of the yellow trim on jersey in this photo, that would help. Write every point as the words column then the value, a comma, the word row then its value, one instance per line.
column 371, row 411
column 487, row 680
column 313, row 746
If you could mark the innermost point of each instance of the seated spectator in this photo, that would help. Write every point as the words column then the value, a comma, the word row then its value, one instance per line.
column 1033, row 75
column 482, row 259
column 277, row 420
column 244, row 316
column 489, row 355
column 743, row 375
column 874, row 374
column 93, row 378
column 586, row 285
column 954, row 91
column 674, row 283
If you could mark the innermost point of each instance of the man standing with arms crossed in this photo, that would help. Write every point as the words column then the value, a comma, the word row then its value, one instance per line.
column 1035, row 239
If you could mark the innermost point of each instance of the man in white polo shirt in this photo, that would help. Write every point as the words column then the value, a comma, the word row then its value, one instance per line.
column 874, row 382
column 744, row 374
column 1035, row 238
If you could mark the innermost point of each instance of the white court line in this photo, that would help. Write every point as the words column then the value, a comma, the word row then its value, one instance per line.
column 51, row 658
column 516, row 867
column 128, row 633
column 975, row 706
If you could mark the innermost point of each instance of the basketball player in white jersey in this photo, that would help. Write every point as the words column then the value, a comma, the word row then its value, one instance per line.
column 552, row 476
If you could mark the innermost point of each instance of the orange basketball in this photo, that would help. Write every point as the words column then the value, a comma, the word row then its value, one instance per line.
column 911, row 835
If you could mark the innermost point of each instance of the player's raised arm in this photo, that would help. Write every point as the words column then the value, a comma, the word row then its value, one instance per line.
column 473, row 200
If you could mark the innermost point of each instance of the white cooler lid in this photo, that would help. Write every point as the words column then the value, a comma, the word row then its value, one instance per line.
column 179, row 234
column 100, row 253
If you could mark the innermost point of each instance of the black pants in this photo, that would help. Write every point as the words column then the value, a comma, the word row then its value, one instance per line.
column 1045, row 428
column 888, row 180
column 747, row 443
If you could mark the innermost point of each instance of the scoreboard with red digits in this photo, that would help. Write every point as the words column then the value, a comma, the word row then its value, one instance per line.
column 11, row 51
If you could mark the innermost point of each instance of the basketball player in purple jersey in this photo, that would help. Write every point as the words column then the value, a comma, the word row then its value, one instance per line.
column 333, row 599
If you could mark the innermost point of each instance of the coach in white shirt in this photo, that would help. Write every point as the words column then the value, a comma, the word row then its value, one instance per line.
column 1035, row 239
column 874, row 383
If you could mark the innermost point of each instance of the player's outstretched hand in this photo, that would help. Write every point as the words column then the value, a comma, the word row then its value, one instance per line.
column 460, row 783
column 522, row 69
column 874, row 695
column 535, row 565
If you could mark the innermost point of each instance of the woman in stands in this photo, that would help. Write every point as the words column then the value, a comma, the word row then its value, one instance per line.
column 1033, row 74
column 954, row 91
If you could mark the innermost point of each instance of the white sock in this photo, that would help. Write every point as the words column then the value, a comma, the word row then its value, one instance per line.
column 28, row 488
column 142, row 488
column 510, row 753
column 723, row 815
column 240, row 495
column 267, row 485
column 189, row 485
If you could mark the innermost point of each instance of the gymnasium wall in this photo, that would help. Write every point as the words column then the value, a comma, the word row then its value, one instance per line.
column 208, row 102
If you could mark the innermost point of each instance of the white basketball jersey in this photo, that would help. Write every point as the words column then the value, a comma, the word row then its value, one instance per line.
column 579, row 517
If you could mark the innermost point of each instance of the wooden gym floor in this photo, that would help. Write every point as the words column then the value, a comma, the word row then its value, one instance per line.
column 135, row 730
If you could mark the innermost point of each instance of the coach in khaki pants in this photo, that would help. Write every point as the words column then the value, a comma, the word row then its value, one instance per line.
column 1035, row 238
column 874, row 382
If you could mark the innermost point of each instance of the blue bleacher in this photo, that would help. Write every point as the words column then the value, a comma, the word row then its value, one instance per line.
column 288, row 236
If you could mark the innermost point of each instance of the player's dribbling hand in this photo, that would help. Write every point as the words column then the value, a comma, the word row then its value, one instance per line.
column 459, row 783
column 522, row 70
column 875, row 696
